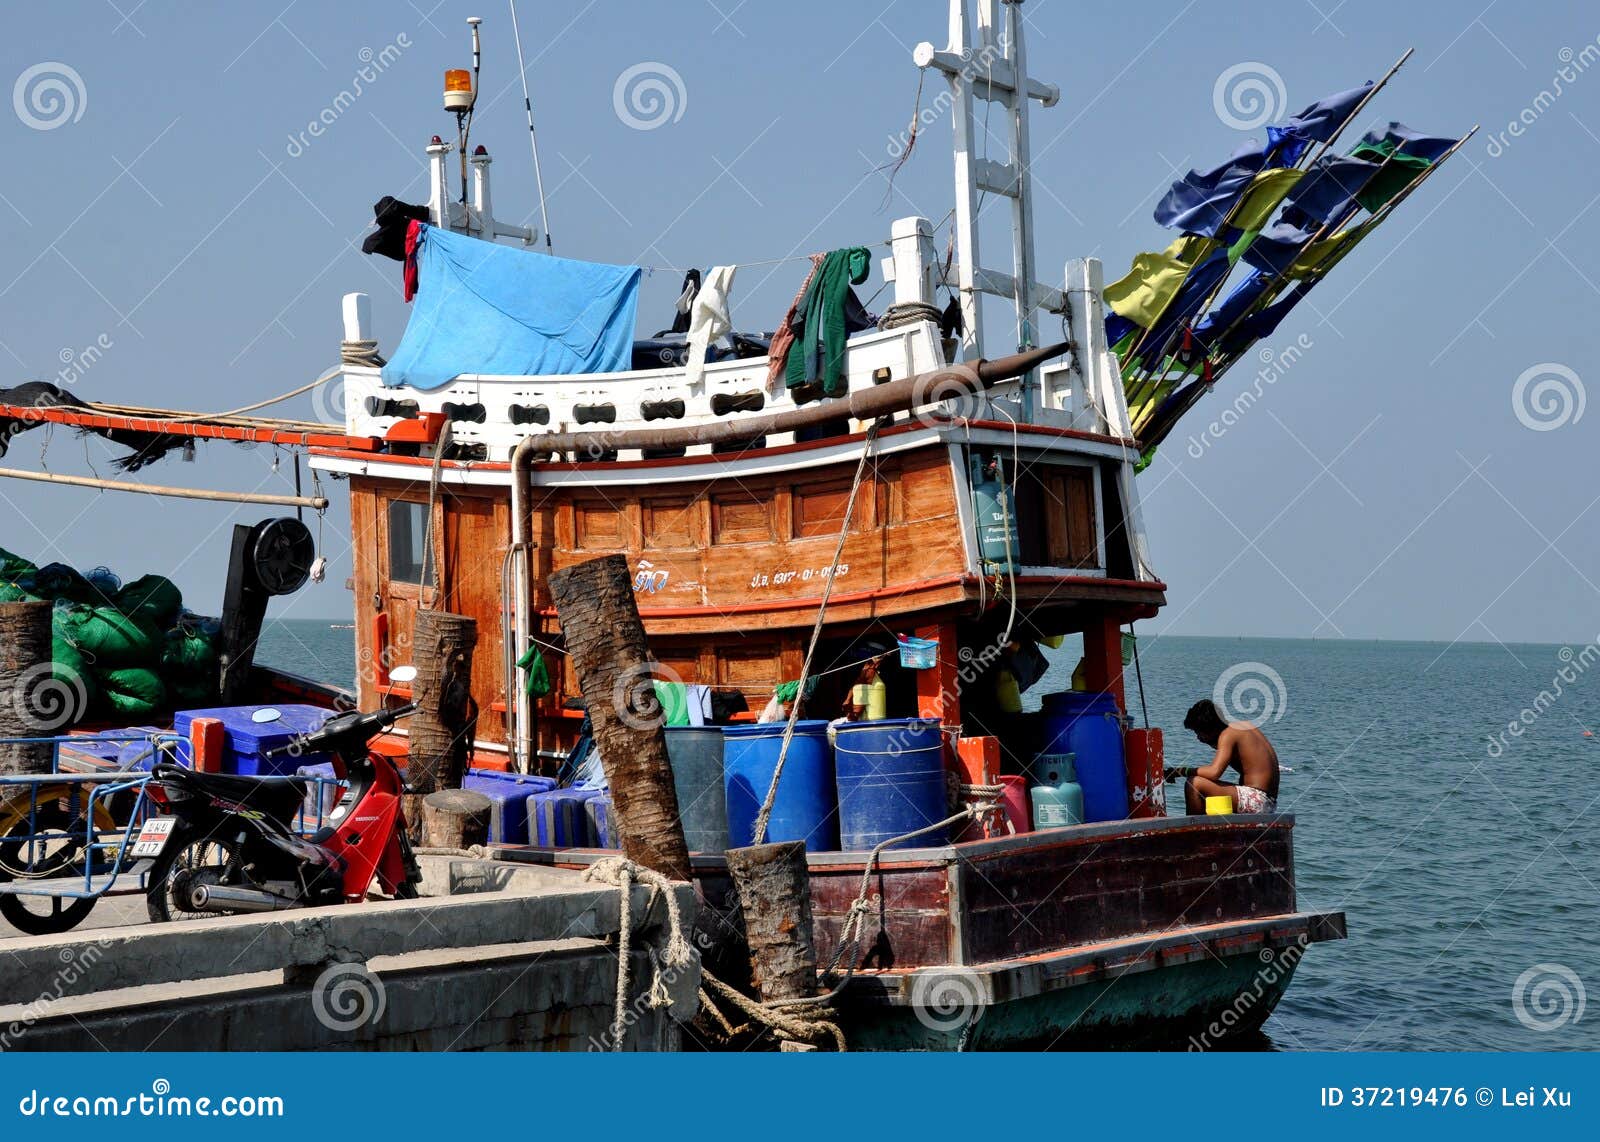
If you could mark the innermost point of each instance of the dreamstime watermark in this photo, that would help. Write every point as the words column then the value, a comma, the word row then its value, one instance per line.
column 1249, row 94
column 649, row 95
column 935, row 395
column 975, row 65
column 1548, row 396
column 1275, row 365
column 634, row 697
column 75, row 363
column 1573, row 65
column 1251, row 692
column 1277, row 965
column 158, row 1102
column 373, row 65
column 948, row 999
column 1574, row 665
column 347, row 996
column 49, row 696
column 75, row 964
column 1547, row 997
column 49, row 95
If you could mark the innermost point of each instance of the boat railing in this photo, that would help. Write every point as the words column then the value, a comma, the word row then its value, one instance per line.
column 496, row 412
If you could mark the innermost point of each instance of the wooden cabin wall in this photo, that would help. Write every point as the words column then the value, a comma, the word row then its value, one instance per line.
column 471, row 531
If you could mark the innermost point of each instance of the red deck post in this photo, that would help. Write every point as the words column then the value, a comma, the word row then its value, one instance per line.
column 939, row 689
column 1102, row 656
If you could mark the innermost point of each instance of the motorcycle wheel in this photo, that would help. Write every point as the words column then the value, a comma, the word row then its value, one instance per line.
column 22, row 857
column 189, row 854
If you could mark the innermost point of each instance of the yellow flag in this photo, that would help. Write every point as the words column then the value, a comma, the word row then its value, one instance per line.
column 1258, row 202
column 1155, row 279
column 1320, row 256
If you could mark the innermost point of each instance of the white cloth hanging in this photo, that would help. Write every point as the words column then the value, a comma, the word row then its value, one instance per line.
column 708, row 319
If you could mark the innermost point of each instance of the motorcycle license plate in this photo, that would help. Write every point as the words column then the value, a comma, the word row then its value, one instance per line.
column 153, row 837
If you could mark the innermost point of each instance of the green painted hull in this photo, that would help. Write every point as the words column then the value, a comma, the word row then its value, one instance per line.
column 1194, row 1006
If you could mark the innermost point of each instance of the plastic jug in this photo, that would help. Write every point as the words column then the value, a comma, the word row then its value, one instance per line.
column 1058, row 798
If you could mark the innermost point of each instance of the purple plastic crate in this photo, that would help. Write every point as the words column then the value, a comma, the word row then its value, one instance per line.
column 558, row 818
column 508, row 795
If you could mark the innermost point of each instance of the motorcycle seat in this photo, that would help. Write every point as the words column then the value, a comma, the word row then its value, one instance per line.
column 278, row 797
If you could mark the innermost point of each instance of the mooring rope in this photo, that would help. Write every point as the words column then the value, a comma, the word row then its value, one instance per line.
column 622, row 872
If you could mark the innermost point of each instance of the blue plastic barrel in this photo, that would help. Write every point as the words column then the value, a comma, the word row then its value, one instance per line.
column 804, row 808
column 696, row 756
column 1090, row 726
column 891, row 781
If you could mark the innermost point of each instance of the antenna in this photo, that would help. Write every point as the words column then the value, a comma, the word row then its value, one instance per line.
column 533, row 137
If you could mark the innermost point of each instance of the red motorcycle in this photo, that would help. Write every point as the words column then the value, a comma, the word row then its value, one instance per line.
column 227, row 844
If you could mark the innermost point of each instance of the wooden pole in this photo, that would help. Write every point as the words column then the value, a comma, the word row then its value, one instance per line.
column 25, row 675
column 775, row 898
column 606, row 647
column 442, row 728
column 317, row 502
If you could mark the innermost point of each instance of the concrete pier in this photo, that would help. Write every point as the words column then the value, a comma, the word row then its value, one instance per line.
column 502, row 957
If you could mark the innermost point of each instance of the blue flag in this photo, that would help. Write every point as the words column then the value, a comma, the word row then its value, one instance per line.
column 1265, row 322
column 1401, row 138
column 1316, row 124
column 1329, row 187
column 1223, row 318
column 1201, row 200
column 1276, row 247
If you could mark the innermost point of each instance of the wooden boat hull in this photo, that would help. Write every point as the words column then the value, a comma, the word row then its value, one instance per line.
column 1176, row 931
column 1192, row 989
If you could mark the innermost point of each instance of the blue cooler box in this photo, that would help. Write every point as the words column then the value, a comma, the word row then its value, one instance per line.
column 508, row 795
column 248, row 740
column 558, row 819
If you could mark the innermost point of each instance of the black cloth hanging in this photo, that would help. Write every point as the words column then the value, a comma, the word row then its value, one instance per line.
column 391, row 217
column 691, row 287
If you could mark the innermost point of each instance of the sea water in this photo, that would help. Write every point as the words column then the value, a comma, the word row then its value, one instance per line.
column 1464, row 854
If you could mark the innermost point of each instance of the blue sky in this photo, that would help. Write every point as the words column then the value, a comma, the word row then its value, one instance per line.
column 1385, row 487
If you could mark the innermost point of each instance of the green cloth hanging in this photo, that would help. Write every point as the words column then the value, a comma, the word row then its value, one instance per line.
column 820, row 318
column 532, row 661
column 1397, row 172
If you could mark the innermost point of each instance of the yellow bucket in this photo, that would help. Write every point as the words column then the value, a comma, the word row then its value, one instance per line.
column 1219, row 806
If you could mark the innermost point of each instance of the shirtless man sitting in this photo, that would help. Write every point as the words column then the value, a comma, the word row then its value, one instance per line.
column 1239, row 745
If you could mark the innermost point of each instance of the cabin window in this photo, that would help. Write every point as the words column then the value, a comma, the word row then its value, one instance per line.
column 408, row 537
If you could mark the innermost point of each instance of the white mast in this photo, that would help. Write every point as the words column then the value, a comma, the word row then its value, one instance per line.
column 992, row 68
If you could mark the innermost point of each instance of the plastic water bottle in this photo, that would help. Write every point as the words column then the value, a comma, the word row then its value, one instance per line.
column 1058, row 798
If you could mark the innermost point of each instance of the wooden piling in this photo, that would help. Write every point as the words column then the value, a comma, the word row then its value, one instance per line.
column 455, row 819
column 26, row 687
column 605, row 644
column 442, row 728
column 775, row 899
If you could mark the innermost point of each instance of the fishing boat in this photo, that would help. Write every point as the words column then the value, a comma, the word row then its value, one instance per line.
column 893, row 537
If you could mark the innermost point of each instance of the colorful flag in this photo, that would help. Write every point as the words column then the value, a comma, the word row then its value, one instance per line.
column 1430, row 147
column 1155, row 279
column 1318, row 123
column 1201, row 200
column 1275, row 250
column 1266, row 191
column 1403, row 155
column 1329, row 188
column 1223, row 319
column 1202, row 282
